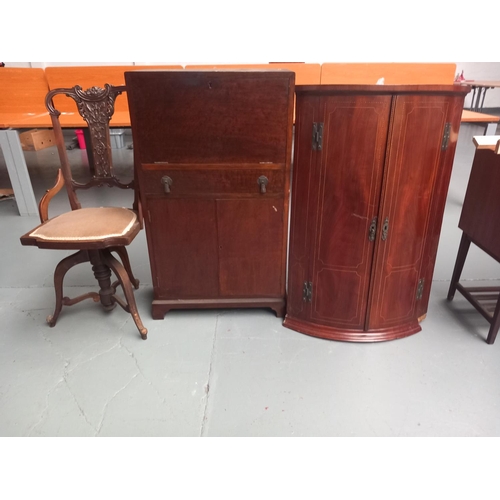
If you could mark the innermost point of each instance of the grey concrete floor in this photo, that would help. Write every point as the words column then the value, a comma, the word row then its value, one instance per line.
column 231, row 372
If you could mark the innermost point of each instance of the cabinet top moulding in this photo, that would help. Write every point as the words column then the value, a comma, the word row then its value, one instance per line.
column 383, row 89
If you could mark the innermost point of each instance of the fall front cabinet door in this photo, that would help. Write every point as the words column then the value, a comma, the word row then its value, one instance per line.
column 212, row 153
column 364, row 176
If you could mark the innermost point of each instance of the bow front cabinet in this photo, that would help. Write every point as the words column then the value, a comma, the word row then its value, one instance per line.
column 371, row 171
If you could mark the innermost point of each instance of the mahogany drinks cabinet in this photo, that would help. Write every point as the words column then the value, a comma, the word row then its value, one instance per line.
column 370, row 177
column 212, row 153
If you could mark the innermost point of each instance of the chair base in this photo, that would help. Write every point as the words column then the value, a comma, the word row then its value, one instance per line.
column 103, row 263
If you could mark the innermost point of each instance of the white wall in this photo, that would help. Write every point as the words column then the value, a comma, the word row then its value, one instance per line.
column 472, row 71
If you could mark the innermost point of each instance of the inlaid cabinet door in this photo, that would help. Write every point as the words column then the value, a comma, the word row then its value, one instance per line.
column 346, row 195
column 302, row 206
column 413, row 159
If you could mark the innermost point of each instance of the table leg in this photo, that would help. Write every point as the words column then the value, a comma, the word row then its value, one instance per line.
column 472, row 98
column 491, row 129
column 484, row 95
column 18, row 172
column 478, row 99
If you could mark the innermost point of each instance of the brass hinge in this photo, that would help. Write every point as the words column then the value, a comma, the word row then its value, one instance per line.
column 420, row 289
column 317, row 136
column 307, row 291
column 446, row 136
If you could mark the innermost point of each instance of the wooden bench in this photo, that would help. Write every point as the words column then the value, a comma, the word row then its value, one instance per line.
column 392, row 73
column 402, row 74
column 490, row 121
column 305, row 73
column 23, row 90
column 90, row 76
column 22, row 106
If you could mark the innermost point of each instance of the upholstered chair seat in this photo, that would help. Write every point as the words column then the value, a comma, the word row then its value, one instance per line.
column 87, row 224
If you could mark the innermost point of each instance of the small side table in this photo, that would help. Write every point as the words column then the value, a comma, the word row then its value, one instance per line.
column 480, row 223
column 479, row 88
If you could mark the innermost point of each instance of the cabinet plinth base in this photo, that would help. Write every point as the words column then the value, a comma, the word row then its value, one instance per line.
column 161, row 306
column 346, row 335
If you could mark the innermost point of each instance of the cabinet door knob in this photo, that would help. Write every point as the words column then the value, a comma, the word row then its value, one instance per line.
column 262, row 182
column 167, row 182
column 385, row 228
column 372, row 230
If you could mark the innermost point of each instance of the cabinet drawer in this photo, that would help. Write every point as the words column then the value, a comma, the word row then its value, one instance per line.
column 174, row 182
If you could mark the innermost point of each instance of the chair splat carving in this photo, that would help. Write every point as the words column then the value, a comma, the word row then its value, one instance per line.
column 96, row 105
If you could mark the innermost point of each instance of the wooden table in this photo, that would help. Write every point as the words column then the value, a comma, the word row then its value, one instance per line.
column 490, row 121
column 479, row 222
column 22, row 106
column 14, row 155
column 479, row 88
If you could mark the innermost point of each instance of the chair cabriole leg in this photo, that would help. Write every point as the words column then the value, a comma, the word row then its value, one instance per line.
column 124, row 280
column 62, row 268
column 122, row 252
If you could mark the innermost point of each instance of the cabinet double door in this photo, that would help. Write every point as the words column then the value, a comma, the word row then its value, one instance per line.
column 218, row 235
column 365, row 172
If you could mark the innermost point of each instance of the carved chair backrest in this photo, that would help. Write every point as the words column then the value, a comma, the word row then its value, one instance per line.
column 96, row 106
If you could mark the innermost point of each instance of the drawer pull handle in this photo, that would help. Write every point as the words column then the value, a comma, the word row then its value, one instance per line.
column 167, row 182
column 262, row 181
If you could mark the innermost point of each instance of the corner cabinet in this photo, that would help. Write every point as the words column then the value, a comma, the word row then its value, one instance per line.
column 370, row 177
column 212, row 154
